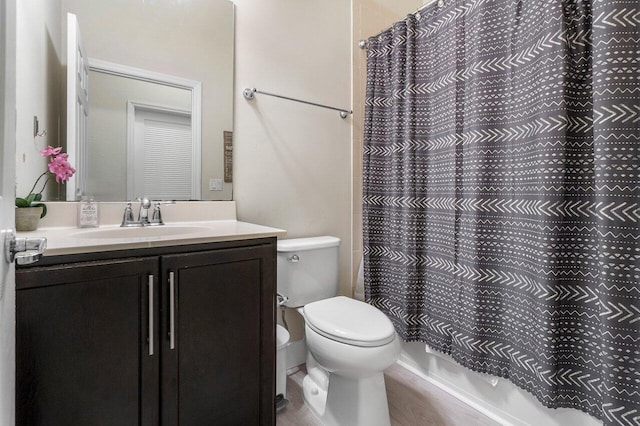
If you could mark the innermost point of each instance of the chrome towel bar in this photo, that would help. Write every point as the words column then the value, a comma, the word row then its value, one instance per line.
column 249, row 94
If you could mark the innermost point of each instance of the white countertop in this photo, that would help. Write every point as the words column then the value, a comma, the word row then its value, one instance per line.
column 186, row 222
column 72, row 240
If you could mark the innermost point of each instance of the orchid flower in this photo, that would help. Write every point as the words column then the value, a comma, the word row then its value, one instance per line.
column 61, row 167
column 50, row 151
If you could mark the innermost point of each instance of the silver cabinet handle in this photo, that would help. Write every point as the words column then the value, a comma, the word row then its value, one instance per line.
column 172, row 312
column 151, row 328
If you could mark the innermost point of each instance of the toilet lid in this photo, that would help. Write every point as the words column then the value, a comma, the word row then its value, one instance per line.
column 349, row 321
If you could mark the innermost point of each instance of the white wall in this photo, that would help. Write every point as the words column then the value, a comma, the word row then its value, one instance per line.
column 293, row 161
column 37, row 88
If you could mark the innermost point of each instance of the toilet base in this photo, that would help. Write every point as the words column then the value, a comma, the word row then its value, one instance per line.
column 347, row 401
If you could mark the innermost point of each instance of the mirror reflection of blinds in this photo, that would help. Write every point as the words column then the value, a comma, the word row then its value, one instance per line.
column 167, row 160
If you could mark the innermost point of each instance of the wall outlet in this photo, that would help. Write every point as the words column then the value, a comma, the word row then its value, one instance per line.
column 215, row 184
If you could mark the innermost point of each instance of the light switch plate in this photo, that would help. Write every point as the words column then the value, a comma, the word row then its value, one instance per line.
column 215, row 184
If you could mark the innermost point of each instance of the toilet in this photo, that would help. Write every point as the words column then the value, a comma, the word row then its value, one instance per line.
column 350, row 343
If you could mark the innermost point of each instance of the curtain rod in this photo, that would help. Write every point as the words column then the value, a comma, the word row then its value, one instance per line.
column 249, row 94
column 363, row 44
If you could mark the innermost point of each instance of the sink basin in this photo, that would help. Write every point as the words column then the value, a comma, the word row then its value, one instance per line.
column 142, row 232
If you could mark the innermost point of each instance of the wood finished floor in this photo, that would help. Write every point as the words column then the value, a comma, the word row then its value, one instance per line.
column 412, row 402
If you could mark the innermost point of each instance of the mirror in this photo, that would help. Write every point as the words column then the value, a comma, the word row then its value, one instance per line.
column 168, row 40
column 147, row 124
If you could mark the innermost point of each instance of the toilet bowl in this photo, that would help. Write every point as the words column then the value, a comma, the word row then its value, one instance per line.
column 350, row 343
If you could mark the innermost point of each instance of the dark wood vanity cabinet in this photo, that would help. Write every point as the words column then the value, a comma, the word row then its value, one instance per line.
column 81, row 344
column 219, row 371
column 173, row 337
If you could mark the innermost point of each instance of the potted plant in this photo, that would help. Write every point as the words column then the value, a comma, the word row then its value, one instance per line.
column 30, row 209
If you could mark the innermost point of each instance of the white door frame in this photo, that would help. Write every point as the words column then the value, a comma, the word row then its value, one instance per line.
column 7, row 210
column 132, row 107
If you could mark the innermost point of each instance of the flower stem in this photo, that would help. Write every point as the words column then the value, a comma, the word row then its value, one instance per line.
column 45, row 184
column 38, row 180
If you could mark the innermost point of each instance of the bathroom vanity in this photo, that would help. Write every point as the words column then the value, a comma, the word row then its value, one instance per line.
column 164, row 330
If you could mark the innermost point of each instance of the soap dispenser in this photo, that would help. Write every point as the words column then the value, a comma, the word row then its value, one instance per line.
column 87, row 213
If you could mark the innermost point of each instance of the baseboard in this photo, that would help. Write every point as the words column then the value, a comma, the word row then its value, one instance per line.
column 501, row 418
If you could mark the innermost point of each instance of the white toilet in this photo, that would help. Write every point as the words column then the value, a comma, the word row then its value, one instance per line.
column 350, row 342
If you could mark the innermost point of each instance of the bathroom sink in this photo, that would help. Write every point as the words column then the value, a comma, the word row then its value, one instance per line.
column 142, row 232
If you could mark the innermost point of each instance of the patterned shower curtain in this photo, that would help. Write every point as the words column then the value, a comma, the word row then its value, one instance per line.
column 501, row 193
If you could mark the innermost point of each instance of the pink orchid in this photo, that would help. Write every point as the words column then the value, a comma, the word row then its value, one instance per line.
column 50, row 151
column 60, row 166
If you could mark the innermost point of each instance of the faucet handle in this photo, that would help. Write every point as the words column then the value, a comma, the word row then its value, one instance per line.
column 156, row 218
column 127, row 217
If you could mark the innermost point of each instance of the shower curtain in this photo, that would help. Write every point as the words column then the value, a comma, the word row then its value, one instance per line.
column 501, row 200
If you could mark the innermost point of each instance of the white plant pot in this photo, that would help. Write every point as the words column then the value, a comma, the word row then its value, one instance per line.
column 28, row 218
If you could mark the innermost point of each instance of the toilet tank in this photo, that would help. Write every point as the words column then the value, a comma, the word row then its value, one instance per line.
column 307, row 269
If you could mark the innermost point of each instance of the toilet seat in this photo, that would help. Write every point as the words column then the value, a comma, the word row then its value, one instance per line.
column 349, row 321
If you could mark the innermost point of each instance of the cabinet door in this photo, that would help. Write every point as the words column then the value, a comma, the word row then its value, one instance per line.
column 219, row 367
column 82, row 349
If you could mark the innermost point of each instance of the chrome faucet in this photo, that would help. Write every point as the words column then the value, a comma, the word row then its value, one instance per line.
column 143, row 214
